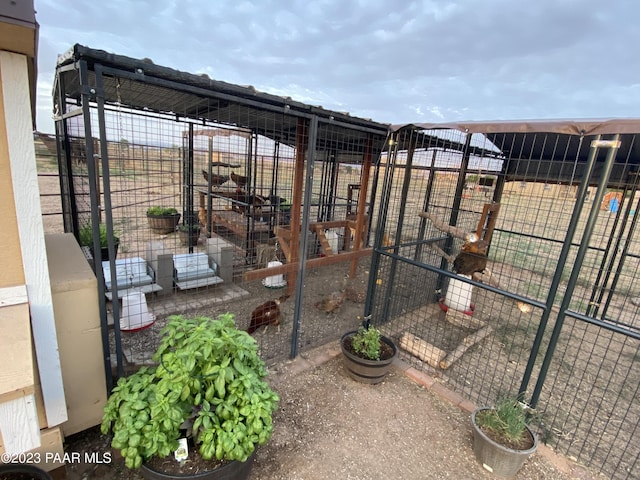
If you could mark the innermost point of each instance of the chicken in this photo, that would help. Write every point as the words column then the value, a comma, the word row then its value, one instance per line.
column 266, row 314
column 216, row 180
column 202, row 217
column 472, row 258
column 331, row 302
column 239, row 180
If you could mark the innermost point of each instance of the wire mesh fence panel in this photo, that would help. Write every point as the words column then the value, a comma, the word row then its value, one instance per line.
column 218, row 198
column 511, row 270
column 589, row 407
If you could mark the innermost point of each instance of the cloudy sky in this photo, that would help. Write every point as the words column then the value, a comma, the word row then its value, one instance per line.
column 392, row 61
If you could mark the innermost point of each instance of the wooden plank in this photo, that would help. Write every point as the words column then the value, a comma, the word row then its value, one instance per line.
column 24, row 176
column 13, row 295
column 19, row 424
column 23, row 392
column 17, row 355
column 465, row 345
column 261, row 273
column 324, row 243
column 284, row 245
column 302, row 141
column 327, row 225
column 51, row 449
column 422, row 349
column 361, row 218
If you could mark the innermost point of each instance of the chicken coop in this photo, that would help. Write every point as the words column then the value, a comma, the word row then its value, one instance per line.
column 513, row 269
column 203, row 197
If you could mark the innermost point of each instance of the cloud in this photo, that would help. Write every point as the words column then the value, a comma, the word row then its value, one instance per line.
column 436, row 60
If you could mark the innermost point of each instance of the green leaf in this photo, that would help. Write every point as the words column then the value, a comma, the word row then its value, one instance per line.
column 219, row 384
column 185, row 393
column 210, row 392
column 134, row 440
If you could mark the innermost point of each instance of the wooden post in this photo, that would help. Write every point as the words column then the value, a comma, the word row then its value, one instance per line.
column 302, row 141
column 362, row 204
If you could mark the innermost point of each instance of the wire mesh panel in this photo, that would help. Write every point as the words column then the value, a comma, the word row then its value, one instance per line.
column 213, row 198
column 505, row 265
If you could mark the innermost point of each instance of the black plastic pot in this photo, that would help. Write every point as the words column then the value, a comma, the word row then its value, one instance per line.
column 500, row 460
column 104, row 252
column 231, row 471
column 363, row 370
column 23, row 472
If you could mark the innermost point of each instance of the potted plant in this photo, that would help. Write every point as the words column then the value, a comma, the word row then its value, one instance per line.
column 367, row 354
column 85, row 238
column 189, row 233
column 502, row 439
column 20, row 471
column 207, row 393
column 163, row 219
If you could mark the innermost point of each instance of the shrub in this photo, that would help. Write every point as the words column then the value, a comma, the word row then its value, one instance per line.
column 157, row 211
column 366, row 342
column 85, row 236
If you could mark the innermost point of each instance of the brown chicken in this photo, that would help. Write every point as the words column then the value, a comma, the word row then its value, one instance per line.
column 216, row 180
column 331, row 302
column 202, row 217
column 266, row 314
column 239, row 180
column 472, row 258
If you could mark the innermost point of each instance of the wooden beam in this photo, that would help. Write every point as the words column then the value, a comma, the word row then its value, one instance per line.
column 488, row 221
column 302, row 142
column 261, row 273
column 422, row 349
column 465, row 345
column 324, row 243
column 362, row 203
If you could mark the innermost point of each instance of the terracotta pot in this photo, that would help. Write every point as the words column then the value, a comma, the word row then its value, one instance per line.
column 500, row 460
column 363, row 370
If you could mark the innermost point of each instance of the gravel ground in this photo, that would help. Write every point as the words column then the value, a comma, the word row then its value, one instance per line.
column 330, row 426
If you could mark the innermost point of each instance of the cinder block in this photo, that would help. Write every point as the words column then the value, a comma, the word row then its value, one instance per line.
column 221, row 252
column 160, row 258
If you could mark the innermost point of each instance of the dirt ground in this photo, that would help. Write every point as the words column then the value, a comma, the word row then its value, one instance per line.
column 330, row 426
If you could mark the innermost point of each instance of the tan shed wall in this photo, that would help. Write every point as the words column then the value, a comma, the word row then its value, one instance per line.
column 10, row 253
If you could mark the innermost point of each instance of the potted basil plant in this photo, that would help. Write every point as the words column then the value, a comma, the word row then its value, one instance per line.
column 206, row 396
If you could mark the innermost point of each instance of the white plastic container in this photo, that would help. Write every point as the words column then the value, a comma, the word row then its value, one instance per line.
column 332, row 238
column 135, row 313
column 274, row 281
column 458, row 294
